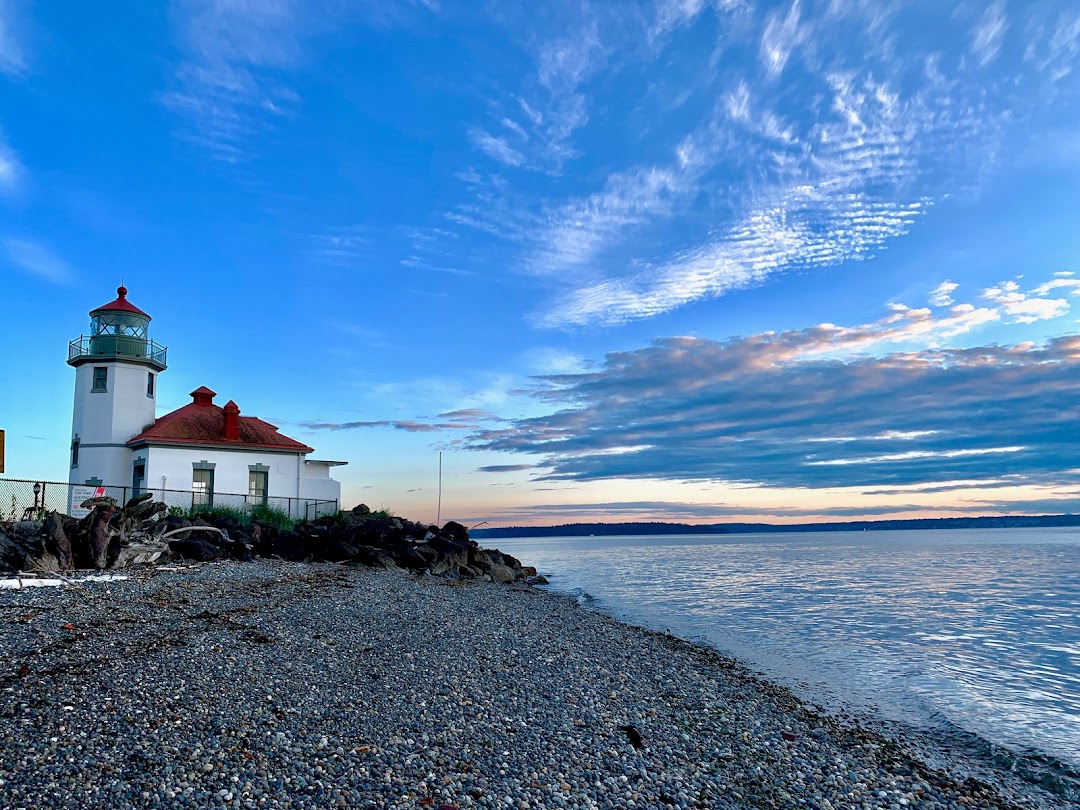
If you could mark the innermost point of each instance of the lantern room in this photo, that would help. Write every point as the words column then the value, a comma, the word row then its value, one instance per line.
column 118, row 330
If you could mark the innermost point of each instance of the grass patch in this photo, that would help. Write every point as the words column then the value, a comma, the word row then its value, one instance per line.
column 272, row 516
column 212, row 513
column 263, row 513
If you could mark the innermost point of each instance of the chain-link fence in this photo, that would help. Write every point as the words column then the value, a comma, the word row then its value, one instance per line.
column 22, row 499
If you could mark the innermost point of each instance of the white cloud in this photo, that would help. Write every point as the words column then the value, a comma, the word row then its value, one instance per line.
column 942, row 294
column 737, row 102
column 232, row 82
column 515, row 127
column 552, row 100
column 577, row 232
column 554, row 361
column 837, row 202
column 1054, row 45
column 989, row 33
column 672, row 14
column 496, row 148
column 10, row 168
column 782, row 35
column 1031, row 306
column 36, row 259
column 12, row 57
column 786, row 169
column 1062, row 282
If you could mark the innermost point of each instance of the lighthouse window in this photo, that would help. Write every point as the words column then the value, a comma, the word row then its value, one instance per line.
column 101, row 378
column 75, row 452
column 150, row 384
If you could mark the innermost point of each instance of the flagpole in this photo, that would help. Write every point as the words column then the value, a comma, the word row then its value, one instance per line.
column 438, row 517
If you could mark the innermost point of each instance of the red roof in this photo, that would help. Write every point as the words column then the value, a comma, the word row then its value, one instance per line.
column 202, row 422
column 121, row 304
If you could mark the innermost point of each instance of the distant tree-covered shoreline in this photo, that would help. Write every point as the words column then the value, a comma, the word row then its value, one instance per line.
column 658, row 528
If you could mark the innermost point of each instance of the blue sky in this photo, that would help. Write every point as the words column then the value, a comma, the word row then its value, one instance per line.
column 681, row 260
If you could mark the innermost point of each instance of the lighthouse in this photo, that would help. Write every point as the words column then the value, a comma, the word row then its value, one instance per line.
column 116, row 369
column 199, row 455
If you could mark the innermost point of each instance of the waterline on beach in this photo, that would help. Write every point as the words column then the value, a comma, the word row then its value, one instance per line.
column 961, row 631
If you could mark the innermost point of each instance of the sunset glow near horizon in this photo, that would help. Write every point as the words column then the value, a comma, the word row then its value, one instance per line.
column 682, row 260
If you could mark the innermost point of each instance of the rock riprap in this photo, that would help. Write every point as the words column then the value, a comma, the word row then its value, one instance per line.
column 112, row 537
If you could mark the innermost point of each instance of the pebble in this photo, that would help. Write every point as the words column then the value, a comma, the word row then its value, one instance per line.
column 385, row 690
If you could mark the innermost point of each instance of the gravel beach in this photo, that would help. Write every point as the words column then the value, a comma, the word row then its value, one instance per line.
column 316, row 686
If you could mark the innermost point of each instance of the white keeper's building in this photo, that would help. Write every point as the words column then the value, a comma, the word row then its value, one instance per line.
column 118, row 441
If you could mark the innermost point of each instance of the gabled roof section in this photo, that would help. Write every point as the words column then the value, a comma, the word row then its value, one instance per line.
column 204, row 424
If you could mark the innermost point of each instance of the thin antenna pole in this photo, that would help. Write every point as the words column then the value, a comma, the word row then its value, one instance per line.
column 438, row 517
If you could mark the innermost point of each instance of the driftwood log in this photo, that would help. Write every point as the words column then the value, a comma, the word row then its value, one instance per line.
column 110, row 536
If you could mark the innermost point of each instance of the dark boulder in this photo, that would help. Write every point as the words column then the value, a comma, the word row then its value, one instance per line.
column 453, row 551
column 194, row 549
column 455, row 531
column 286, row 545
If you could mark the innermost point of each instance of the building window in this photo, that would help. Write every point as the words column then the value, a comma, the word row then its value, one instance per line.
column 75, row 452
column 202, row 487
column 257, row 486
column 150, row 384
column 101, row 378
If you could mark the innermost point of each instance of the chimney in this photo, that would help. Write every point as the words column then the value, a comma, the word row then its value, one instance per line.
column 203, row 396
column 232, row 421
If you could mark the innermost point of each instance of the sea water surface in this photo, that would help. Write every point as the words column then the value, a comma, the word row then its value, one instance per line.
column 971, row 629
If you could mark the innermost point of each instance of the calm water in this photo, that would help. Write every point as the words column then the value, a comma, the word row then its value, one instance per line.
column 975, row 628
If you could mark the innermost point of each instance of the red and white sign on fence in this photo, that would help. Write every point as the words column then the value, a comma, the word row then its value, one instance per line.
column 80, row 494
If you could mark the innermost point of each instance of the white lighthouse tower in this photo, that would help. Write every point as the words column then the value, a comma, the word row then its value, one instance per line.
column 116, row 370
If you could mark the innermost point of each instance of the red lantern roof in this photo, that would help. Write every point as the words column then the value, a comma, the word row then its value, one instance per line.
column 121, row 304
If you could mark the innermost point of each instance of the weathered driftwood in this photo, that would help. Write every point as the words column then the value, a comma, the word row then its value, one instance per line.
column 108, row 537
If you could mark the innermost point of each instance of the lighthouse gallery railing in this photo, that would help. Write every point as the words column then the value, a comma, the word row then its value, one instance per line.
column 117, row 346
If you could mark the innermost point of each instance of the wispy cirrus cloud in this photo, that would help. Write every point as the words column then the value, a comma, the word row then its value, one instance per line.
column 782, row 35
column 238, row 76
column 942, row 294
column 1054, row 44
column 989, row 33
column 233, row 80
column 11, row 170
column 344, row 246
column 540, row 117
column 496, row 148
column 840, row 191
column 12, row 54
column 824, row 156
column 36, row 259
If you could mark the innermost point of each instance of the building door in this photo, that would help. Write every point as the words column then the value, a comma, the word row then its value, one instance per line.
column 138, row 478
